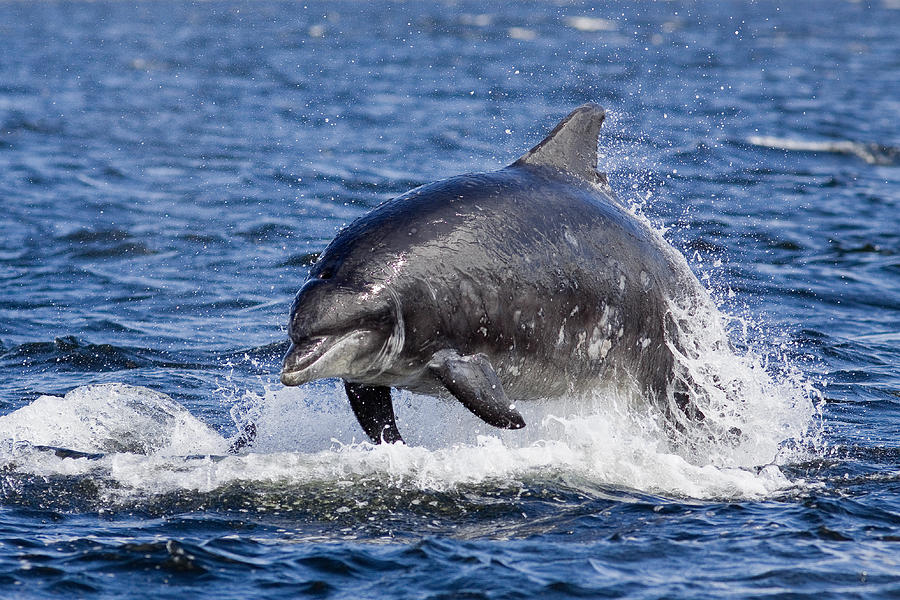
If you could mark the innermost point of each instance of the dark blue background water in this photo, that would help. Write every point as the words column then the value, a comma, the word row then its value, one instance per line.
column 168, row 170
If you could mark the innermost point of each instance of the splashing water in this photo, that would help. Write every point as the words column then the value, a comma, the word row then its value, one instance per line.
column 309, row 436
column 749, row 417
column 111, row 418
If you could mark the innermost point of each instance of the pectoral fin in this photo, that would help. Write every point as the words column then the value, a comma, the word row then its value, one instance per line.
column 373, row 409
column 473, row 381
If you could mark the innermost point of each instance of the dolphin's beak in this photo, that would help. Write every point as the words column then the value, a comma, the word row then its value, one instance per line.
column 299, row 357
column 326, row 356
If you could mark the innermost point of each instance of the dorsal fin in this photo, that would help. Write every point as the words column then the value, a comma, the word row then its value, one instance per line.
column 572, row 145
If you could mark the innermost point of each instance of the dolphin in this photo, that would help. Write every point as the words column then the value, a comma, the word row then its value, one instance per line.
column 529, row 282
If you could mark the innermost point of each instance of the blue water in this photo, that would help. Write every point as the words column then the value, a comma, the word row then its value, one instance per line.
column 169, row 171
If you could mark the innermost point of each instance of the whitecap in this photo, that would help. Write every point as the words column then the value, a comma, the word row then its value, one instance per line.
column 107, row 418
column 874, row 154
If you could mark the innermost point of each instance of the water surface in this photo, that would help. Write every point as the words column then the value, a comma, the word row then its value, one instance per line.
column 169, row 171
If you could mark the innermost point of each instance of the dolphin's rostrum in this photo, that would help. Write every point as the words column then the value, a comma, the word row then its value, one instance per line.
column 528, row 282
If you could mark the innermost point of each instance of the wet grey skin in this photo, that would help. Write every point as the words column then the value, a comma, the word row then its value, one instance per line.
column 492, row 288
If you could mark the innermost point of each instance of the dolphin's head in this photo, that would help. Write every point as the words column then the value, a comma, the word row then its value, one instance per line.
column 343, row 323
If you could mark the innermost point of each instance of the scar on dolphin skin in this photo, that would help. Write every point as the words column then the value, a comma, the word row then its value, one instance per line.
column 428, row 292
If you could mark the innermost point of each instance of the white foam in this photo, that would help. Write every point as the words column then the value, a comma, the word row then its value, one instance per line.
column 310, row 436
column 111, row 418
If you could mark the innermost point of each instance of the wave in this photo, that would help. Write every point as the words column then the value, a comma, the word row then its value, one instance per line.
column 69, row 353
column 874, row 154
column 132, row 443
column 108, row 419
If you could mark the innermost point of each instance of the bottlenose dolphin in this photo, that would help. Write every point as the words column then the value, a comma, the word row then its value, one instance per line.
column 529, row 282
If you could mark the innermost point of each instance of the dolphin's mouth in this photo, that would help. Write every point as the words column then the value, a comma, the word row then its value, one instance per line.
column 299, row 358
column 320, row 357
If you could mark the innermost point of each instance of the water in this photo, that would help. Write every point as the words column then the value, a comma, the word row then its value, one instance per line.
column 171, row 169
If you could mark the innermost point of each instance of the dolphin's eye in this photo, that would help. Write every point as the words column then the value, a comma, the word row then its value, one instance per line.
column 326, row 269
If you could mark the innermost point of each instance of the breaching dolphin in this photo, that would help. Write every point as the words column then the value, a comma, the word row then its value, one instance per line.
column 529, row 282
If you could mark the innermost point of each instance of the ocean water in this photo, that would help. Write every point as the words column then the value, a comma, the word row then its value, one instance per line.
column 170, row 170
